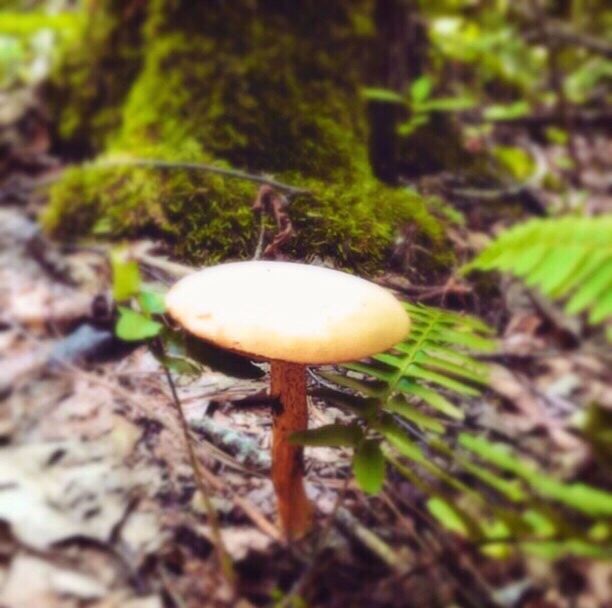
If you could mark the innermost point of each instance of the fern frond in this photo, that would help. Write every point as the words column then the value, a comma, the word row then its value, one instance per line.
column 568, row 257
column 476, row 488
column 432, row 363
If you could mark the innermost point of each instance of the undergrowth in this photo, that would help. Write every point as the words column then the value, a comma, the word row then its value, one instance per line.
column 409, row 407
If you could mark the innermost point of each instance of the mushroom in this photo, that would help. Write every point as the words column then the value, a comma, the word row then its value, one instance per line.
column 291, row 315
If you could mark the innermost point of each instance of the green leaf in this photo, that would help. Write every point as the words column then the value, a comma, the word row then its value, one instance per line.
column 460, row 371
column 399, row 406
column 415, row 371
column 516, row 160
column 447, row 515
column 540, row 523
column 369, row 466
column 329, row 435
column 432, row 398
column 510, row 111
column 408, row 127
column 126, row 276
column 447, row 104
column 152, row 303
column 133, row 326
column 404, row 445
column 581, row 497
column 420, row 89
column 382, row 95
column 564, row 257
column 466, row 338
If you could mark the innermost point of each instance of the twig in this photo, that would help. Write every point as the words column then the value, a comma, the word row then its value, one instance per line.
column 174, row 269
column 270, row 202
column 580, row 118
column 426, row 292
column 155, row 163
column 225, row 562
column 260, row 238
column 563, row 33
column 369, row 539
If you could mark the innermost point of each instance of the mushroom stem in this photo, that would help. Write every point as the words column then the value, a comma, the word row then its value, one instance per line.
column 288, row 384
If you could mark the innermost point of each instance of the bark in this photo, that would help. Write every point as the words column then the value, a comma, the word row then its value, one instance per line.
column 400, row 53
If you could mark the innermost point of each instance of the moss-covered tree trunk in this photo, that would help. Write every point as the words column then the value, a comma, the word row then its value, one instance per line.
column 267, row 86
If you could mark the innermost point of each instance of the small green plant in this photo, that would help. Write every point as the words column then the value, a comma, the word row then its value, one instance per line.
column 140, row 318
column 419, row 103
column 137, row 305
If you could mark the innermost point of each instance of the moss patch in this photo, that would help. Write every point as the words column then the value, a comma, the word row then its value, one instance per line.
column 208, row 217
column 266, row 86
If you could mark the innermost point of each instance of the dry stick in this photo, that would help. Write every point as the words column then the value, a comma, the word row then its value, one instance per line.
column 166, row 164
column 260, row 238
column 227, row 567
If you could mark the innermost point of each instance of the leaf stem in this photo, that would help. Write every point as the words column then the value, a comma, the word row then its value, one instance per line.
column 227, row 567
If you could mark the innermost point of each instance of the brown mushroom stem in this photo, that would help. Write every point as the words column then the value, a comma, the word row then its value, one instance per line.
column 288, row 384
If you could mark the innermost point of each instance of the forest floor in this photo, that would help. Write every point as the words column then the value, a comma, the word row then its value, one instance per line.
column 98, row 501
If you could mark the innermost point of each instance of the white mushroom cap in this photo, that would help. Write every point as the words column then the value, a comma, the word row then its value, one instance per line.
column 288, row 312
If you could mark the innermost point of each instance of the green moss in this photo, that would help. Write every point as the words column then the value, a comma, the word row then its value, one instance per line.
column 208, row 217
column 265, row 86
column 96, row 71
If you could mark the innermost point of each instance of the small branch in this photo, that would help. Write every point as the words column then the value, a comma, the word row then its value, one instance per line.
column 580, row 118
column 591, row 43
column 141, row 253
column 260, row 238
column 269, row 202
column 562, row 33
column 426, row 292
column 189, row 166
column 368, row 539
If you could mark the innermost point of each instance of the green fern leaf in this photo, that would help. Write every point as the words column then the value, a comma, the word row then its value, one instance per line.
column 568, row 256
column 431, row 363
